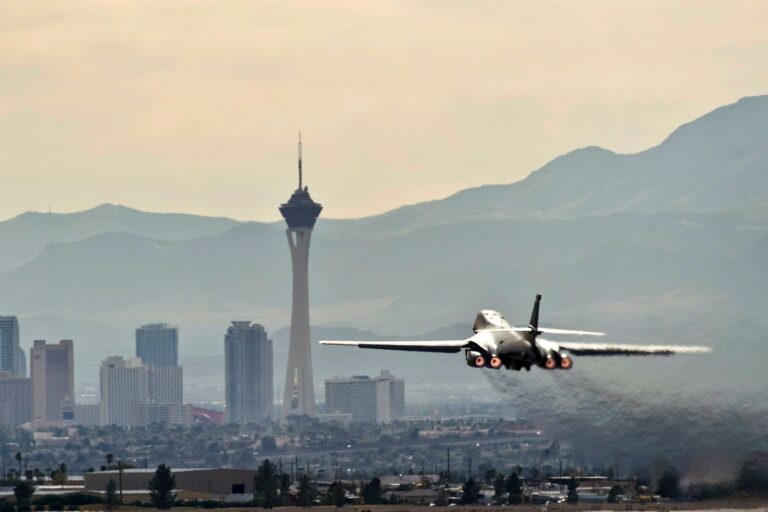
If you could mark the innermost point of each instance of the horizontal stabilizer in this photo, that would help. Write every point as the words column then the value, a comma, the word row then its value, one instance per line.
column 608, row 349
column 547, row 330
column 413, row 346
column 569, row 332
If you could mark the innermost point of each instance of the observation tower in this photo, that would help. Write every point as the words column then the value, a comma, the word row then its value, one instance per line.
column 300, row 213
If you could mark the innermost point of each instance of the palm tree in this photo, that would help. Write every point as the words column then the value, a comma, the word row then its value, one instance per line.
column 109, row 458
column 59, row 475
column 18, row 459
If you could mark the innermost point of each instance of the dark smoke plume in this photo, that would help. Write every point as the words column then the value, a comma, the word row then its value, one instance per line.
column 703, row 414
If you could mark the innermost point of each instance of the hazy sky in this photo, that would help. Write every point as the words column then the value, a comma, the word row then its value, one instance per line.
column 195, row 105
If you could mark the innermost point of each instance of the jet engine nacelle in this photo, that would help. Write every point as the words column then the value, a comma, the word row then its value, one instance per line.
column 555, row 360
column 475, row 358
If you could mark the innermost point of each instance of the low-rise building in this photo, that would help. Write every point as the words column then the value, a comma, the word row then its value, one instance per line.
column 87, row 414
column 217, row 483
column 167, row 414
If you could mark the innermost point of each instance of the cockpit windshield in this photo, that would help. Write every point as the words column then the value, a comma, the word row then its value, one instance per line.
column 489, row 319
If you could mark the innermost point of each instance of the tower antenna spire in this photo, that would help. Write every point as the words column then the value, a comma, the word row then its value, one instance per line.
column 300, row 171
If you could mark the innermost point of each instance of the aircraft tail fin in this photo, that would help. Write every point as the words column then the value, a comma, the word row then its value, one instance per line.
column 534, row 324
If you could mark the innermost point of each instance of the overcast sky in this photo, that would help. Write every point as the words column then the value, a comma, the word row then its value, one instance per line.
column 195, row 106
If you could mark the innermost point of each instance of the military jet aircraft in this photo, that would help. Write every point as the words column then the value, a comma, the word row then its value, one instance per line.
column 496, row 343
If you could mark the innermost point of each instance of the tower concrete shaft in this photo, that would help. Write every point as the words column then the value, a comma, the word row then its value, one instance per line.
column 299, row 397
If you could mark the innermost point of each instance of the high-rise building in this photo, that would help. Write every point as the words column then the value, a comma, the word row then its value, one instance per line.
column 158, row 345
column 15, row 400
column 300, row 213
column 9, row 345
column 165, row 385
column 123, row 382
column 22, row 369
column 248, row 373
column 127, row 385
column 369, row 400
column 53, row 378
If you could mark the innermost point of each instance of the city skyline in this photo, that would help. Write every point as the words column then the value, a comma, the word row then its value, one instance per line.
column 134, row 392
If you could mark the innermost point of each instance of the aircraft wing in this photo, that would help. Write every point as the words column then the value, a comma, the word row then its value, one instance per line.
column 610, row 349
column 414, row 346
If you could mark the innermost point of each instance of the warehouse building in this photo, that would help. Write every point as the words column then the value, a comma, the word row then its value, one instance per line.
column 217, row 483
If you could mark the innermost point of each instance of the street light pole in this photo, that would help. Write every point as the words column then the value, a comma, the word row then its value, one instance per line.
column 120, row 478
column 448, row 476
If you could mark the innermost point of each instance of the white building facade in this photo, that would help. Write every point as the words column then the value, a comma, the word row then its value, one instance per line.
column 123, row 382
column 369, row 400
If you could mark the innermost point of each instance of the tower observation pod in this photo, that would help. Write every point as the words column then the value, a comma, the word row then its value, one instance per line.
column 300, row 213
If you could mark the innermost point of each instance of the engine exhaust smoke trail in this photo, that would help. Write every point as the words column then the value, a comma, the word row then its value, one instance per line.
column 625, row 349
column 695, row 413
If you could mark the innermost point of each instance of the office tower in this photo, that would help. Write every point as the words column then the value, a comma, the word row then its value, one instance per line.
column 248, row 373
column 396, row 395
column 15, row 400
column 22, row 369
column 300, row 213
column 9, row 344
column 377, row 400
column 122, row 383
column 158, row 345
column 165, row 385
column 53, row 378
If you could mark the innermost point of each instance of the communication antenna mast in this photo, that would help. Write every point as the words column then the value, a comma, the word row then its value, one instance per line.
column 300, row 171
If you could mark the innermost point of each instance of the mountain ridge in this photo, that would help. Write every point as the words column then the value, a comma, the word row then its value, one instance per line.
column 712, row 163
column 596, row 181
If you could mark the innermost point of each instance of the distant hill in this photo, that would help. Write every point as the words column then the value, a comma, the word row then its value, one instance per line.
column 409, row 283
column 24, row 236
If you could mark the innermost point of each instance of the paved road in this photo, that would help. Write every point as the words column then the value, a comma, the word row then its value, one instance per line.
column 462, row 441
